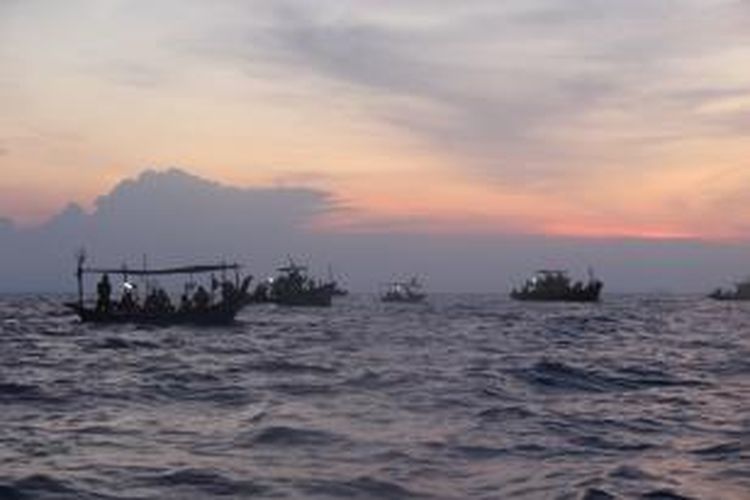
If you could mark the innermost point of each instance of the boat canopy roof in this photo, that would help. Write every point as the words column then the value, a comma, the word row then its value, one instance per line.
column 208, row 268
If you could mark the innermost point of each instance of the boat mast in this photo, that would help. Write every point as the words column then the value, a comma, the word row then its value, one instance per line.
column 81, row 258
column 144, row 282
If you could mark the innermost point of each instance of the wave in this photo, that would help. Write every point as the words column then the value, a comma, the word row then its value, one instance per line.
column 11, row 392
column 557, row 375
column 303, row 389
column 361, row 487
column 291, row 436
column 118, row 343
column 597, row 494
column 664, row 494
column 285, row 366
column 630, row 473
column 481, row 452
column 494, row 399
column 599, row 443
column 205, row 481
column 42, row 487
column 731, row 449
column 505, row 413
column 224, row 395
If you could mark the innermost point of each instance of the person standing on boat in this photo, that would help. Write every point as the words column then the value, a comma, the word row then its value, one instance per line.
column 228, row 291
column 104, row 292
column 184, row 302
column 201, row 299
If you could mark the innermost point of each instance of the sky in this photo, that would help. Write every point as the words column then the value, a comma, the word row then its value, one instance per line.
column 569, row 118
column 173, row 217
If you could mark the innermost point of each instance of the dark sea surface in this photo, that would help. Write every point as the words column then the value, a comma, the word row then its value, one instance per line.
column 464, row 397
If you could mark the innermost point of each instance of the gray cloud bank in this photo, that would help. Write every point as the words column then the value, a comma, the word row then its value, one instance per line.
column 177, row 218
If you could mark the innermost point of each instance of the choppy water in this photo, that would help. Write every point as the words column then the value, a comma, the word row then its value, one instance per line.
column 467, row 397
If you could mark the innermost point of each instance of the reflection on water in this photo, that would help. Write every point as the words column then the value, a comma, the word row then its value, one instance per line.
column 466, row 396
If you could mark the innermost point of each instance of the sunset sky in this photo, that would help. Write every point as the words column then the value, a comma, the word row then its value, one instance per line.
column 564, row 117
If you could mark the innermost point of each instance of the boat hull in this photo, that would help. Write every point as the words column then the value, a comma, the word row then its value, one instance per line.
column 729, row 296
column 318, row 298
column 588, row 294
column 209, row 317
column 323, row 299
column 403, row 299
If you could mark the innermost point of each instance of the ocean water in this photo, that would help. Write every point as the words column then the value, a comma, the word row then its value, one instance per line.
column 468, row 396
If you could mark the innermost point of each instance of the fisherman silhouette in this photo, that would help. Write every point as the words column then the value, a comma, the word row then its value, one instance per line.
column 164, row 303
column 104, row 292
column 128, row 302
column 158, row 302
column 151, row 303
column 184, row 302
column 201, row 299
column 228, row 291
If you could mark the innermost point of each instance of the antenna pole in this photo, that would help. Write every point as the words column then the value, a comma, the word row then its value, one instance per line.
column 79, row 275
column 145, row 277
column 81, row 258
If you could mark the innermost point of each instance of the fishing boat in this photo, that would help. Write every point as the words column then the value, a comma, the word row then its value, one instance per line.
column 741, row 292
column 404, row 291
column 294, row 287
column 553, row 285
column 198, row 305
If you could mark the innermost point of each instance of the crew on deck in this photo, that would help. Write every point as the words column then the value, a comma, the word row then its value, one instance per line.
column 128, row 302
column 104, row 293
column 201, row 299
column 157, row 301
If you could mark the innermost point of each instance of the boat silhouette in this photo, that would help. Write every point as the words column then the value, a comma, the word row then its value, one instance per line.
column 554, row 285
column 292, row 286
column 404, row 291
column 741, row 291
column 197, row 304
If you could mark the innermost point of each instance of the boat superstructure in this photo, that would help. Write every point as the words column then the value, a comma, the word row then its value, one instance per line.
column 410, row 291
column 550, row 285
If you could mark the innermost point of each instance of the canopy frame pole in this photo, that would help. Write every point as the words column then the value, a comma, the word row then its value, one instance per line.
column 81, row 258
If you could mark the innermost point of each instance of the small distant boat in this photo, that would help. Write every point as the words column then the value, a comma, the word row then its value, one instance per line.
column 199, row 308
column 293, row 287
column 741, row 292
column 404, row 291
column 551, row 285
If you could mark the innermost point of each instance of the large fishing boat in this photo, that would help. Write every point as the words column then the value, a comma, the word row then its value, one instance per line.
column 550, row 285
column 294, row 287
column 216, row 303
column 404, row 291
column 741, row 292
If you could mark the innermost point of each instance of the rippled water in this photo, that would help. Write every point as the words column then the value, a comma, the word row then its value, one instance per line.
column 465, row 397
